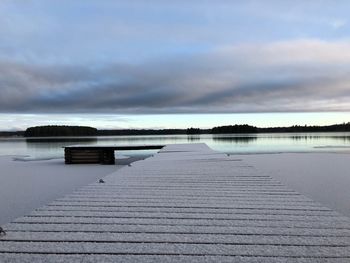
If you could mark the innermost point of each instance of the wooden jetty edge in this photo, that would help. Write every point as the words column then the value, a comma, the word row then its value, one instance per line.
column 188, row 203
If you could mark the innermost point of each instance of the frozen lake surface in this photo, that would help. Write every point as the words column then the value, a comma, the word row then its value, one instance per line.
column 26, row 185
column 324, row 177
column 315, row 164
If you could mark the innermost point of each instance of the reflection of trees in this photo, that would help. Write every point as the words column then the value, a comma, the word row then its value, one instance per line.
column 341, row 138
column 142, row 138
column 304, row 138
column 58, row 140
column 193, row 137
column 57, row 143
column 41, row 146
column 318, row 137
column 235, row 139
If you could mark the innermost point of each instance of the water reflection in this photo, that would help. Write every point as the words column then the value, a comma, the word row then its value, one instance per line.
column 193, row 138
column 57, row 143
column 228, row 143
column 61, row 139
column 342, row 138
column 306, row 136
column 235, row 139
column 52, row 147
column 318, row 137
column 140, row 139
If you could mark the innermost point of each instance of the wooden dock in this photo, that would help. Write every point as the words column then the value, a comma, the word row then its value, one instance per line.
column 79, row 154
column 188, row 203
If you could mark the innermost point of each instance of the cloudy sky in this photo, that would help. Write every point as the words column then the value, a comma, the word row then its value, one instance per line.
column 159, row 64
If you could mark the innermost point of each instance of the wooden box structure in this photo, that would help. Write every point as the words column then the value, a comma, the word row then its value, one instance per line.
column 99, row 154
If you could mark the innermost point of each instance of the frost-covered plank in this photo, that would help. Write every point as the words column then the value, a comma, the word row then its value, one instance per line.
column 195, row 202
column 228, row 230
column 240, row 215
column 178, row 212
column 178, row 249
column 183, row 203
column 110, row 237
column 246, row 209
column 233, row 198
column 253, row 205
column 54, row 258
column 228, row 193
column 208, row 204
column 46, row 222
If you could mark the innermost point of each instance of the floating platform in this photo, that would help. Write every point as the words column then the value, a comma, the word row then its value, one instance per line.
column 188, row 203
column 80, row 154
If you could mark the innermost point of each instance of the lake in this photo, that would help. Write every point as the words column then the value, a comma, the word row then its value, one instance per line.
column 314, row 164
column 227, row 143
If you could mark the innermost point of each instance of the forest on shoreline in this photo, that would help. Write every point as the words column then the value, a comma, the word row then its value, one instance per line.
column 56, row 130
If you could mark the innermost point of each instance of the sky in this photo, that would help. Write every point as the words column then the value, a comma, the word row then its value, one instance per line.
column 173, row 64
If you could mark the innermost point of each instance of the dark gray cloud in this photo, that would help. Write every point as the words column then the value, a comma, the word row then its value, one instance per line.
column 288, row 76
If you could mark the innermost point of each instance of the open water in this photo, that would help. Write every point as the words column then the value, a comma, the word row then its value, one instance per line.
column 228, row 143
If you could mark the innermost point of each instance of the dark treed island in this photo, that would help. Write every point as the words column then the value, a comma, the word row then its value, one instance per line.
column 56, row 130
column 149, row 132
column 52, row 131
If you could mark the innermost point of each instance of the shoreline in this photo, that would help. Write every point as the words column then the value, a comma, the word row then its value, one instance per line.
column 342, row 128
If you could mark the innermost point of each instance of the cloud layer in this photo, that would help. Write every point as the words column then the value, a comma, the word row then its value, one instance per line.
column 289, row 76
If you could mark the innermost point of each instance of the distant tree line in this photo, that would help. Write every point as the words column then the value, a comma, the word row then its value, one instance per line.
column 11, row 133
column 345, row 127
column 194, row 131
column 140, row 132
column 52, row 131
